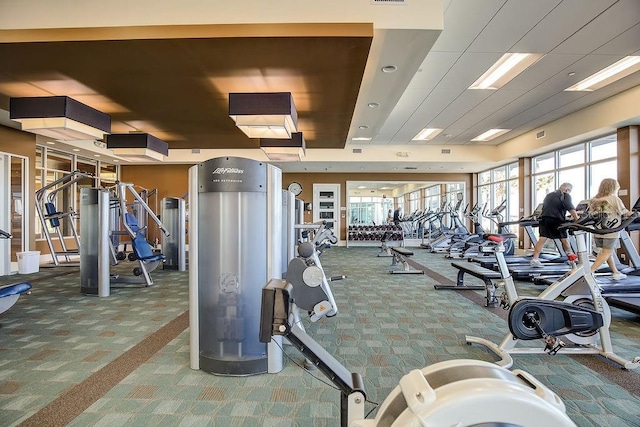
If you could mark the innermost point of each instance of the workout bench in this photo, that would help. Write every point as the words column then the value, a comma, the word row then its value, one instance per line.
column 400, row 255
column 476, row 270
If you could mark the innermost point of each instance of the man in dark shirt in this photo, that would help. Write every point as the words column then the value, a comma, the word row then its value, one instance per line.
column 554, row 211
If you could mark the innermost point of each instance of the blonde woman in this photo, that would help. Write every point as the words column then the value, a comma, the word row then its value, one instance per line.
column 608, row 202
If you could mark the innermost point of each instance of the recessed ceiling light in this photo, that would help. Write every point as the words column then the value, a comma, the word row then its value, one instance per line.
column 389, row 69
column 490, row 134
column 115, row 160
column 571, row 74
column 360, row 138
column 96, row 155
column 426, row 134
column 76, row 149
column 363, row 127
column 373, row 105
column 504, row 70
column 51, row 143
column 612, row 73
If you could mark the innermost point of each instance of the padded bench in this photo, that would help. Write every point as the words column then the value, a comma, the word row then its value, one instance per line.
column 476, row 270
column 400, row 255
column 9, row 294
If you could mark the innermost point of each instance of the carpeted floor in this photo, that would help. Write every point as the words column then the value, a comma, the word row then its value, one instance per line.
column 69, row 359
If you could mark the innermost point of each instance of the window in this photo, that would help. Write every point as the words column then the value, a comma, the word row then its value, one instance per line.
column 369, row 210
column 414, row 201
column 499, row 185
column 432, row 198
column 583, row 165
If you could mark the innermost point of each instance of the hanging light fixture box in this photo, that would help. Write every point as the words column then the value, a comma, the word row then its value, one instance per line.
column 264, row 115
column 292, row 149
column 59, row 117
column 137, row 146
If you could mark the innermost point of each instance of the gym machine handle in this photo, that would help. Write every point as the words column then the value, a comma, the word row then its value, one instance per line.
column 590, row 229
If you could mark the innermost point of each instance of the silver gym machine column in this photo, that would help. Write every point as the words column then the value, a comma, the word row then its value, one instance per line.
column 288, row 230
column 235, row 247
column 173, row 216
column 94, row 239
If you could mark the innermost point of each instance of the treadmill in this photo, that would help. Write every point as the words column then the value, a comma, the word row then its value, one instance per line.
column 555, row 266
column 528, row 223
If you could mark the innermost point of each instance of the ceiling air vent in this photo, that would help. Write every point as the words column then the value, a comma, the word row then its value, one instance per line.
column 195, row 151
column 410, row 168
column 541, row 134
column 445, row 151
column 357, row 151
column 389, row 1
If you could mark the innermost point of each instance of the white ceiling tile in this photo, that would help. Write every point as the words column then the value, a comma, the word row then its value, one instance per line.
column 564, row 21
column 605, row 27
column 463, row 21
column 510, row 24
column 435, row 66
column 489, row 106
column 548, row 66
column 625, row 44
column 463, row 104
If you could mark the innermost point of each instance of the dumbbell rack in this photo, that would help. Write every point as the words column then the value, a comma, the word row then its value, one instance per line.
column 370, row 235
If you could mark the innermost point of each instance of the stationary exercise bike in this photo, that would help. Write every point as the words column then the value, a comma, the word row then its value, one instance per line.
column 582, row 317
column 456, row 392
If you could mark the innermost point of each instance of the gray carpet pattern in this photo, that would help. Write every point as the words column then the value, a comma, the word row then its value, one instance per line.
column 55, row 339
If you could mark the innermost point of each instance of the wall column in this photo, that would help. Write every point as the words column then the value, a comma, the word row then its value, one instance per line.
column 629, row 168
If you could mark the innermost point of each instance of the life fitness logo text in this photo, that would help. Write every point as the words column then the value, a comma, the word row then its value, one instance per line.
column 225, row 171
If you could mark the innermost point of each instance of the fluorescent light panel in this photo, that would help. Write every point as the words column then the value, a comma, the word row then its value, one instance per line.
column 361, row 139
column 60, row 128
column 606, row 76
column 505, row 69
column 427, row 134
column 138, row 154
column 490, row 134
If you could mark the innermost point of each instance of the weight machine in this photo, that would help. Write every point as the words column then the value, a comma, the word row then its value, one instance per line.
column 53, row 219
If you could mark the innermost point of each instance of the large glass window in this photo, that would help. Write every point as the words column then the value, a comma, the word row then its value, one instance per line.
column 432, row 198
column 583, row 165
column 414, row 201
column 369, row 210
column 499, row 196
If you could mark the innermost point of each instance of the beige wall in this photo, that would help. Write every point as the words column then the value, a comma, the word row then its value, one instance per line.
column 20, row 143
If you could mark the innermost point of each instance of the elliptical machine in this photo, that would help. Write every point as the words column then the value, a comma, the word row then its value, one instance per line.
column 582, row 317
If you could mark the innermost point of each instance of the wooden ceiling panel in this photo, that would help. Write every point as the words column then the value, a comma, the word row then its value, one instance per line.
column 181, row 86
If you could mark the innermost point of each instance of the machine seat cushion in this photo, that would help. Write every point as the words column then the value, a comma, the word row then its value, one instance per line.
column 14, row 289
column 143, row 249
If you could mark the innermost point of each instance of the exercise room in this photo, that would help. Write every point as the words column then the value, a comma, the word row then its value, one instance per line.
column 358, row 214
